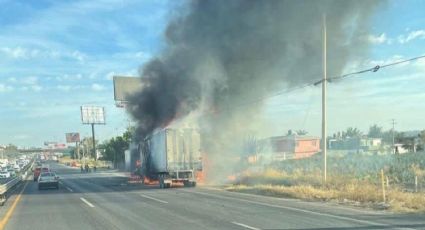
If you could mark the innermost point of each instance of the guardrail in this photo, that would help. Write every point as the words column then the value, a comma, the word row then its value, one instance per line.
column 4, row 188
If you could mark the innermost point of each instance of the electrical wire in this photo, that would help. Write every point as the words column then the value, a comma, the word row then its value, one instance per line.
column 373, row 69
column 340, row 77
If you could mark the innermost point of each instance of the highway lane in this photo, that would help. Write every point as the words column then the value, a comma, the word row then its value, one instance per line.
column 105, row 201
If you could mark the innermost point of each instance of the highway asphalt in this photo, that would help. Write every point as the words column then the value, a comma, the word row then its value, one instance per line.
column 104, row 200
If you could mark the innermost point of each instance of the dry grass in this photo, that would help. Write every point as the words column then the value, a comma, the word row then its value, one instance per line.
column 339, row 189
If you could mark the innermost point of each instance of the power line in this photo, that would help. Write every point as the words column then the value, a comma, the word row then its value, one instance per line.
column 373, row 69
column 330, row 79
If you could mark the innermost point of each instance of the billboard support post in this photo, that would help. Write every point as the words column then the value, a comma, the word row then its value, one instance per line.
column 94, row 142
column 92, row 115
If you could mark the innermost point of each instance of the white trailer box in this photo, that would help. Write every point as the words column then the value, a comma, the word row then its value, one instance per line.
column 173, row 150
column 173, row 155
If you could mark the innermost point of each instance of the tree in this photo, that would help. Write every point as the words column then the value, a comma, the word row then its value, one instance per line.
column 87, row 144
column 113, row 149
column 421, row 144
column 352, row 132
column 387, row 136
column 301, row 132
column 375, row 131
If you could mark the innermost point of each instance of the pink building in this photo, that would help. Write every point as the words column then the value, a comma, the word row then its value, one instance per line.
column 295, row 146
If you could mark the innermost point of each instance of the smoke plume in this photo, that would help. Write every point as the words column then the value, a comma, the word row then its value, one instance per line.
column 223, row 53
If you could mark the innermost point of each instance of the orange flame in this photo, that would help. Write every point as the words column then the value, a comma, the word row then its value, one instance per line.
column 148, row 181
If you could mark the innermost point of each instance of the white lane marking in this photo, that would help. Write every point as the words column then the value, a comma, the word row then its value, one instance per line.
column 88, row 203
column 245, row 226
column 152, row 198
column 297, row 209
column 60, row 182
column 294, row 200
column 69, row 189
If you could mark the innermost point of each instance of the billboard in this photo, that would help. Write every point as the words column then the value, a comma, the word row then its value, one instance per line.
column 72, row 137
column 54, row 145
column 92, row 114
column 124, row 86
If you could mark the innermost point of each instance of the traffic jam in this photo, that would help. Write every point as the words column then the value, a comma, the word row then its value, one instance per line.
column 42, row 173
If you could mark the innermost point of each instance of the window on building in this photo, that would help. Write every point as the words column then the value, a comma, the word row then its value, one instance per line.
column 313, row 142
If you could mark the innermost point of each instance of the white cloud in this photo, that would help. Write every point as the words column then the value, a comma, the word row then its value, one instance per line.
column 97, row 87
column 21, row 137
column 32, row 80
column 110, row 75
column 67, row 77
column 392, row 59
column 5, row 88
column 64, row 87
column 19, row 52
column 420, row 64
column 382, row 38
column 36, row 88
column 12, row 79
column 78, row 55
column 416, row 34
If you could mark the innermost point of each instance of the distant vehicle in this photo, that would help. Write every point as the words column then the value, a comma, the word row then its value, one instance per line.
column 45, row 168
column 48, row 180
column 17, row 168
column 37, row 172
column 4, row 174
column 12, row 172
column 54, row 158
column 171, row 156
column 4, row 162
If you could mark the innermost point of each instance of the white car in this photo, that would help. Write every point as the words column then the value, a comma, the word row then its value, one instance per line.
column 4, row 174
column 12, row 172
column 48, row 180
column 16, row 168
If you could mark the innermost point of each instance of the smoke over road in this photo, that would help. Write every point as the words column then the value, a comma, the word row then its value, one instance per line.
column 221, row 53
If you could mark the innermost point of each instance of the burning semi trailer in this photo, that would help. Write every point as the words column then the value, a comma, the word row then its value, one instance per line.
column 170, row 156
column 228, row 56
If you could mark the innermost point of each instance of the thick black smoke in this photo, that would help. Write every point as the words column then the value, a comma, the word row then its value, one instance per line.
column 222, row 53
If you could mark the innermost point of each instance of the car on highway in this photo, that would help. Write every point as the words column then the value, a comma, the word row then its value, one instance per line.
column 37, row 172
column 12, row 172
column 4, row 174
column 16, row 168
column 48, row 180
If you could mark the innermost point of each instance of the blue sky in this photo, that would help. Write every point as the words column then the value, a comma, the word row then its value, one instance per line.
column 58, row 55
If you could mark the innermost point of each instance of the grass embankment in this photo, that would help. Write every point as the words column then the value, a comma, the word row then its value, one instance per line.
column 339, row 189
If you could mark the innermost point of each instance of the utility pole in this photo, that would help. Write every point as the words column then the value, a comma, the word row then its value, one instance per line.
column 393, row 131
column 324, row 81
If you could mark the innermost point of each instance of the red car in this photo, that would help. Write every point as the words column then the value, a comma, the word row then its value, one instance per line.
column 39, row 170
